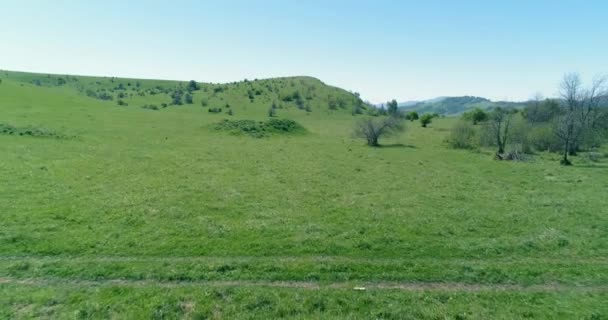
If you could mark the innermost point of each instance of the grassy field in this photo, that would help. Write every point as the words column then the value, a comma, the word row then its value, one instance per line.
column 131, row 212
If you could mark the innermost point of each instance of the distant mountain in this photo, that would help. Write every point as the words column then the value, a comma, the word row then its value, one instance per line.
column 457, row 105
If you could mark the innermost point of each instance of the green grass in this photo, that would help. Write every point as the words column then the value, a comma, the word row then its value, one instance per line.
column 164, row 202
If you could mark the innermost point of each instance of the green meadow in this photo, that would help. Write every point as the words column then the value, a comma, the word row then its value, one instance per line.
column 137, row 207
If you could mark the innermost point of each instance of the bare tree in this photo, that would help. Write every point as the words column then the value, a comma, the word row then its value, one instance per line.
column 579, row 114
column 499, row 126
column 371, row 129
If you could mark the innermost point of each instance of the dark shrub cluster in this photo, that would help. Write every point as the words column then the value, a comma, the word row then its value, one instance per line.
column 150, row 107
column 28, row 131
column 260, row 129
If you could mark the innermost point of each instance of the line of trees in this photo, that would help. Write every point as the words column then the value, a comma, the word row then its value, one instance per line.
column 577, row 121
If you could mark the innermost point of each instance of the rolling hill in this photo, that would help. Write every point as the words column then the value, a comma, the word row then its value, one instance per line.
column 306, row 94
column 450, row 106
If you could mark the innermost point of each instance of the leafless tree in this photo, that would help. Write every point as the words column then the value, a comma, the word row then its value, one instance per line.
column 579, row 114
column 371, row 129
column 499, row 126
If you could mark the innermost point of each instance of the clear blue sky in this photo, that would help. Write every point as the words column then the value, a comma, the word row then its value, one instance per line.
column 380, row 48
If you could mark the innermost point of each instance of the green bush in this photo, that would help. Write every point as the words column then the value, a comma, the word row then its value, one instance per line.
column 542, row 138
column 28, row 131
column 259, row 129
column 463, row 136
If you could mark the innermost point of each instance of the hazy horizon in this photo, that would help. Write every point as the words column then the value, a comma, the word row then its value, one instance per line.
column 383, row 50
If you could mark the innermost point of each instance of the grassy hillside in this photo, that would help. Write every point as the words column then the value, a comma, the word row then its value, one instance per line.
column 132, row 212
column 250, row 98
column 457, row 105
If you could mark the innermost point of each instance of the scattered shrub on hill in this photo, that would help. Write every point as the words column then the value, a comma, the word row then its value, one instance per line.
column 105, row 96
column 272, row 111
column 204, row 102
column 188, row 98
column 150, row 107
column 260, row 129
column 122, row 103
column 176, row 98
column 215, row 110
column 193, row 86
column 230, row 112
column 29, row 131
column 91, row 93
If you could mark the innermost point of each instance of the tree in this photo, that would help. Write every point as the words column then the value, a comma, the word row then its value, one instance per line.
column 541, row 111
column 188, row 98
column 372, row 129
column 176, row 98
column 579, row 112
column 412, row 116
column 272, row 111
column 193, row 86
column 426, row 119
column 392, row 108
column 499, row 125
column 476, row 116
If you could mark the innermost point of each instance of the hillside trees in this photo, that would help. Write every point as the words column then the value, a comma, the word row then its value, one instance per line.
column 579, row 113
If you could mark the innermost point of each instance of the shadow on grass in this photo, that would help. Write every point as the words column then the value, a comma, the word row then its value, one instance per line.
column 397, row 145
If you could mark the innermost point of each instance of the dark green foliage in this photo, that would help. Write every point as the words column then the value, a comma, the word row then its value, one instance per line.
column 176, row 98
column 193, row 86
column 150, row 107
column 122, row 103
column 91, row 93
column 412, row 116
column 8, row 129
column 259, row 129
column 204, row 102
column 541, row 111
column 105, row 96
column 215, row 110
column 426, row 119
column 476, row 116
column 188, row 98
column 392, row 108
column 272, row 111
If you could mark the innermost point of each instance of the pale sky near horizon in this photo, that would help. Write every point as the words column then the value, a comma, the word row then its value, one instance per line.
column 408, row 50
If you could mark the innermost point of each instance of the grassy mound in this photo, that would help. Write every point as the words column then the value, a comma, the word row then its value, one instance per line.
column 260, row 129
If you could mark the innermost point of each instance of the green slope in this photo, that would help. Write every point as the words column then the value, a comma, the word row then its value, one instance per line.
column 252, row 98
column 456, row 105
column 137, row 213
